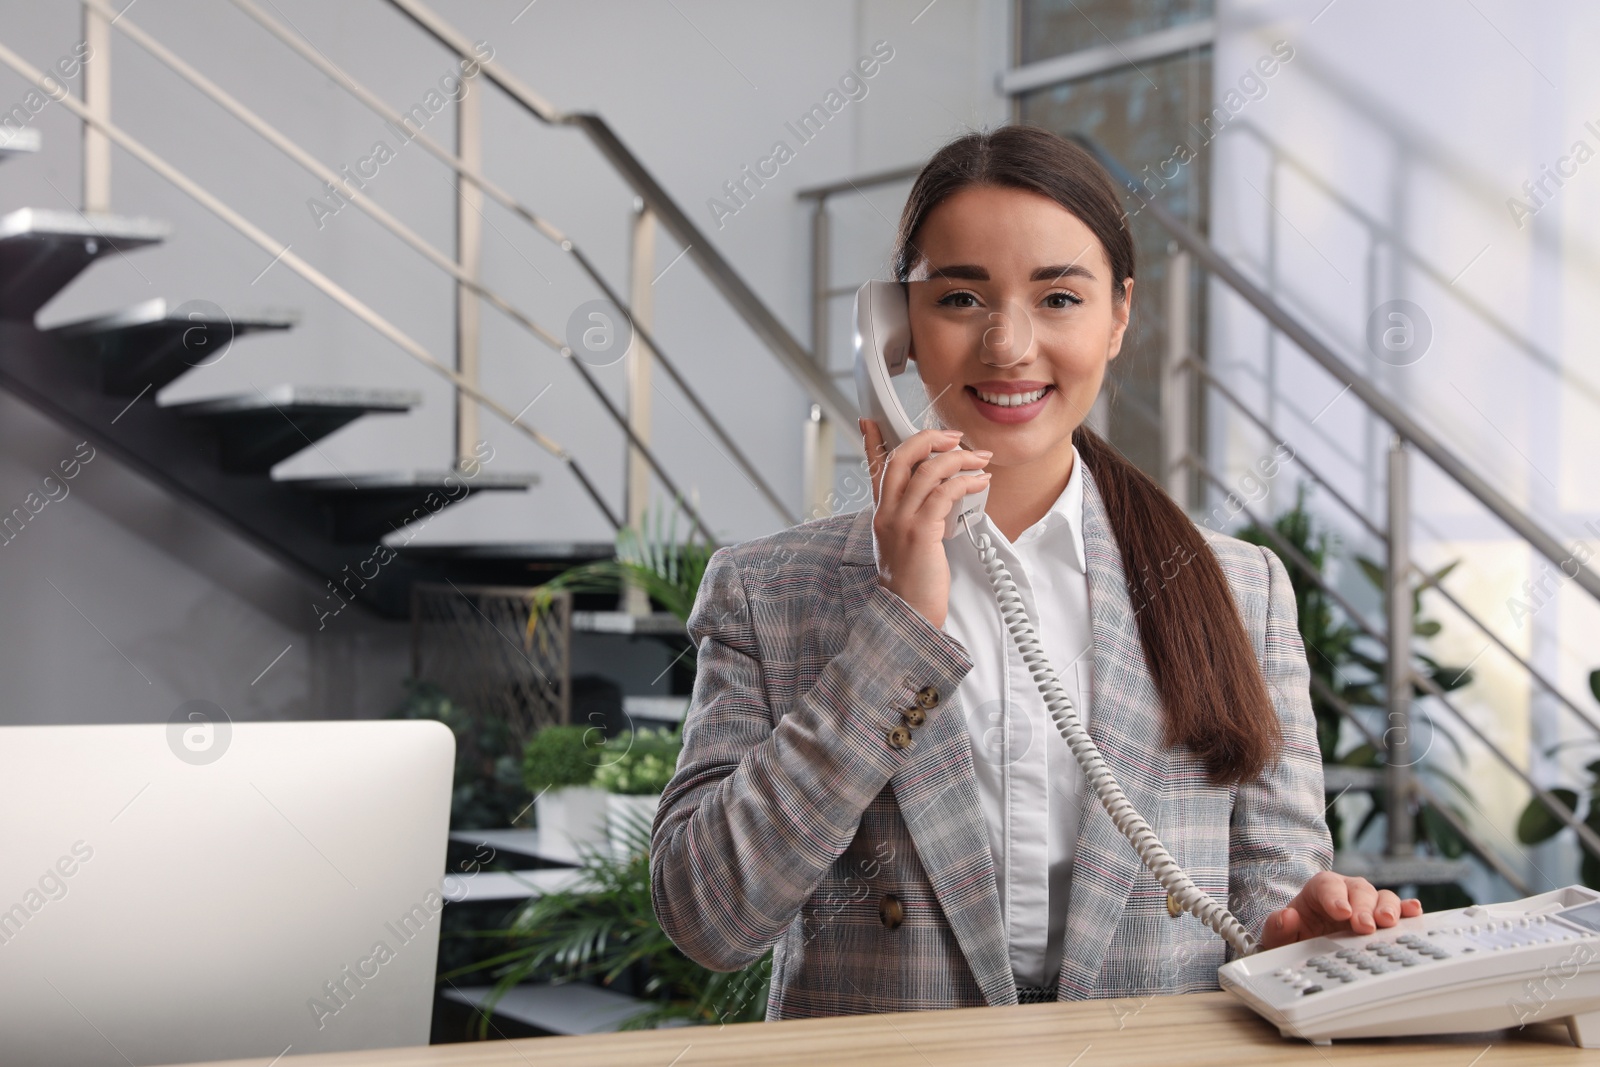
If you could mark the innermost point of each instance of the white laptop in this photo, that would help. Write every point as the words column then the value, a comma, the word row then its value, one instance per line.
column 200, row 890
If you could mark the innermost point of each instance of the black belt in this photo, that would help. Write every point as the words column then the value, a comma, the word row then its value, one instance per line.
column 1035, row 994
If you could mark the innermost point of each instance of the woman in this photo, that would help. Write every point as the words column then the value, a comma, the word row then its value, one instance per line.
column 870, row 785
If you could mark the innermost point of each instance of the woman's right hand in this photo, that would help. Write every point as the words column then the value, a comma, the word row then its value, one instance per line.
column 910, row 511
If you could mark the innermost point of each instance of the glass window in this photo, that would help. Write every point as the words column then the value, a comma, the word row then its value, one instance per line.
column 1049, row 28
column 1150, row 117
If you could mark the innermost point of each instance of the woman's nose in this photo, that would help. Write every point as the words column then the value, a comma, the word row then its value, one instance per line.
column 1007, row 337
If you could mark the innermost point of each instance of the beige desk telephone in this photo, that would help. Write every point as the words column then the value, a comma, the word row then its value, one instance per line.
column 1475, row 969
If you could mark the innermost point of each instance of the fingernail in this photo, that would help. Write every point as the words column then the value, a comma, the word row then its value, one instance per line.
column 951, row 433
column 985, row 453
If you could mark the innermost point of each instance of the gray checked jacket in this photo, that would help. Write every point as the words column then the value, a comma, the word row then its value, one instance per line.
column 795, row 823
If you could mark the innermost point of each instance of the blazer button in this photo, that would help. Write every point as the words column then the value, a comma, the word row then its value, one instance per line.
column 927, row 697
column 891, row 912
column 899, row 737
column 914, row 717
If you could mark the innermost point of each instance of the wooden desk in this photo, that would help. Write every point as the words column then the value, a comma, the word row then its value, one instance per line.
column 1188, row 1031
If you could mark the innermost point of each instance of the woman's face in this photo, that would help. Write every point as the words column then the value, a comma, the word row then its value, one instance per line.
column 1012, row 320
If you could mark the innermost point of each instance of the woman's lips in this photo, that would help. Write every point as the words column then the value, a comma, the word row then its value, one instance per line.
column 1013, row 411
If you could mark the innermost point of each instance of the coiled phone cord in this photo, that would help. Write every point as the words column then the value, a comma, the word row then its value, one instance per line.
column 1179, row 886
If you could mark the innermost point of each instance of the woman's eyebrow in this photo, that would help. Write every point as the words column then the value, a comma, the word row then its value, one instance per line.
column 1068, row 270
column 964, row 271
column 973, row 273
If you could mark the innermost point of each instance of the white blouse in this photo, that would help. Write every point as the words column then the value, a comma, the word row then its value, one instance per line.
column 1028, row 781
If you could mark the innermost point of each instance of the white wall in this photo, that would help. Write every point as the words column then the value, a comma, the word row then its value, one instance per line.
column 1426, row 118
column 697, row 89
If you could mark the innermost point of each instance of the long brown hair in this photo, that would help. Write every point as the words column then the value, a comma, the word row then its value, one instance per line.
column 1213, row 697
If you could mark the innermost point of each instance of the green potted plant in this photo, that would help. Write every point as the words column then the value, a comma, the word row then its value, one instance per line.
column 633, row 780
column 488, row 792
column 558, row 765
column 1538, row 823
column 603, row 928
column 652, row 557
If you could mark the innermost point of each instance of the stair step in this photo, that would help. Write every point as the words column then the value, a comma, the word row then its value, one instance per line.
column 369, row 507
column 1337, row 779
column 516, row 564
column 569, row 1008
column 513, row 840
column 150, row 344
column 260, row 429
column 1387, row 872
column 18, row 141
column 621, row 622
column 479, row 887
column 42, row 250
column 656, row 709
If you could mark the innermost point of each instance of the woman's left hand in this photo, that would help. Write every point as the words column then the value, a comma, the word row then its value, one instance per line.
column 1336, row 904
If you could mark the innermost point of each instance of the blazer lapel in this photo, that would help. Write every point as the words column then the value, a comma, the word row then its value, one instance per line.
column 1124, row 722
column 936, row 789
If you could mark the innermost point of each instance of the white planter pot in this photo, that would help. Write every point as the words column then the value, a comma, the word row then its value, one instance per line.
column 629, row 811
column 570, row 817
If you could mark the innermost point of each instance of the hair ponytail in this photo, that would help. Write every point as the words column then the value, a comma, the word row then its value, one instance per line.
column 1214, row 699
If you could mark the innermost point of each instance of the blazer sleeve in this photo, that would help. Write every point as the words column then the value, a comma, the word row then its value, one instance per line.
column 1279, row 838
column 758, row 810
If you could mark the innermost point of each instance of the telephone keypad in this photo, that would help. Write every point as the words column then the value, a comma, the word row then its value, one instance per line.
column 1346, row 965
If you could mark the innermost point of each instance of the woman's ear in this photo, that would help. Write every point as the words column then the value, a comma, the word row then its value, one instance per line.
column 1121, row 310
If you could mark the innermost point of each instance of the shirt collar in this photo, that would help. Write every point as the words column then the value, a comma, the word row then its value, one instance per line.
column 1066, row 512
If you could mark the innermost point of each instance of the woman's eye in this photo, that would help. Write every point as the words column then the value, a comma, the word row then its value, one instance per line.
column 1062, row 300
column 959, row 299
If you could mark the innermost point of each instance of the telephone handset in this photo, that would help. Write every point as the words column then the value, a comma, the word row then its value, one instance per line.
column 883, row 327
column 882, row 343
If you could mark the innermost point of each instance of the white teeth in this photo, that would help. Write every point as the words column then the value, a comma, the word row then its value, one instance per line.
column 1010, row 400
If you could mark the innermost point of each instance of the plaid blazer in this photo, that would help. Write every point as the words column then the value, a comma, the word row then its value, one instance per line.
column 793, row 824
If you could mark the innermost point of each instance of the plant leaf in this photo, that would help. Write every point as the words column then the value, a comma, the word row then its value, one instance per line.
column 1538, row 823
column 1376, row 572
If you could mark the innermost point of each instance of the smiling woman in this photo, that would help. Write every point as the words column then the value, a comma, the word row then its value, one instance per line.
column 1021, row 282
column 861, row 694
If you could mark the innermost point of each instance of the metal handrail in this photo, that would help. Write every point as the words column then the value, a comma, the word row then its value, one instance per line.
column 1533, row 672
column 324, row 173
column 1198, row 367
column 543, row 226
column 1589, row 840
column 1404, row 424
column 854, row 185
column 1433, row 273
column 728, row 282
column 1479, row 848
column 322, row 282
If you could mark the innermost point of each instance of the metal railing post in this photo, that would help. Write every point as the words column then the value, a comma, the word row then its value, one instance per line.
column 641, row 268
column 97, row 98
column 818, row 430
column 816, row 457
column 469, row 255
column 1398, row 771
column 1177, row 391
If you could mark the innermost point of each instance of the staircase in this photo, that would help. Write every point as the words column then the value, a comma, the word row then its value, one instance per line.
column 99, row 377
